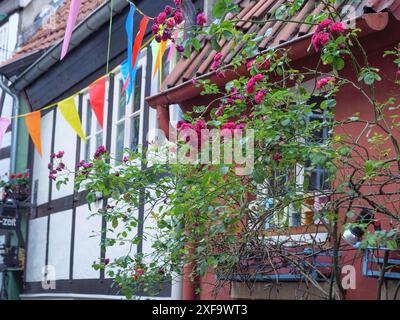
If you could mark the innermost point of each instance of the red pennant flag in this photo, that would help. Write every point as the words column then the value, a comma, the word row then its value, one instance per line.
column 136, row 46
column 97, row 92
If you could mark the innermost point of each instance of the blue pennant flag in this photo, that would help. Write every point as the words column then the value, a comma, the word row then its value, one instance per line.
column 129, row 31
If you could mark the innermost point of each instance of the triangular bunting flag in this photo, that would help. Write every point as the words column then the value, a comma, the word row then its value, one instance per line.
column 173, row 46
column 97, row 92
column 73, row 15
column 125, row 75
column 32, row 121
column 129, row 32
column 135, row 53
column 4, row 124
column 68, row 110
column 160, row 54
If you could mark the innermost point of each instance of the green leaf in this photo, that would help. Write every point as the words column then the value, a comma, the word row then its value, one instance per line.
column 338, row 63
column 215, row 45
column 58, row 184
column 219, row 8
column 196, row 44
column 285, row 122
column 115, row 223
column 391, row 244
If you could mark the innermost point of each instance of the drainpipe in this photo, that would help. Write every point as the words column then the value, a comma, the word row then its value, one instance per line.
column 14, row 133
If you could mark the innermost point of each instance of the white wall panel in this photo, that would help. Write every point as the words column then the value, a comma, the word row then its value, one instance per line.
column 40, row 170
column 4, row 166
column 6, row 139
column 87, row 242
column 65, row 140
column 36, row 254
column 7, row 106
column 60, row 243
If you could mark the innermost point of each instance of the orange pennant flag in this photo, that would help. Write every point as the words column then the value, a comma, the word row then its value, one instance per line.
column 160, row 54
column 32, row 121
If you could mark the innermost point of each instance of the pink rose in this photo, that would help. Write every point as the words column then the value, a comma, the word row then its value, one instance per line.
column 259, row 96
column 167, row 10
column 201, row 19
column 178, row 16
column 170, row 23
column 200, row 125
column 229, row 125
column 324, row 81
column 60, row 154
column 161, row 17
column 249, row 64
column 250, row 87
column 220, row 111
column 319, row 40
column 277, row 157
column 337, row 27
column 323, row 24
column 155, row 28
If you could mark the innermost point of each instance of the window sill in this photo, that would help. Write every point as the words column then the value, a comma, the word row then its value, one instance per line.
column 309, row 229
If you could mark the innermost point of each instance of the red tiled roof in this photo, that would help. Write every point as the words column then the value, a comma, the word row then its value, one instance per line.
column 275, row 32
column 49, row 34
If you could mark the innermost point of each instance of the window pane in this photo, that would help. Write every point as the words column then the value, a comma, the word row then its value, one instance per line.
column 120, row 141
column 165, row 68
column 98, row 127
column 122, row 101
column 99, row 139
column 88, row 119
column 134, row 136
column 137, row 95
column 87, row 150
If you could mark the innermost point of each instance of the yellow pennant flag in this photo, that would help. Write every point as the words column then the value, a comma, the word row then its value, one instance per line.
column 68, row 110
column 32, row 121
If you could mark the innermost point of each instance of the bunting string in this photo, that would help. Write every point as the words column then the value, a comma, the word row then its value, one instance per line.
column 96, row 90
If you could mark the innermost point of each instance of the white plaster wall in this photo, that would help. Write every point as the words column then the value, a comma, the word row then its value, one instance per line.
column 6, row 139
column 13, row 29
column 60, row 243
column 4, row 166
column 65, row 140
column 87, row 242
column 40, row 170
column 7, row 107
column 36, row 254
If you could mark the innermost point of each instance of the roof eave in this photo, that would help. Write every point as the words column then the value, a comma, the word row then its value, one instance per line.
column 299, row 48
column 82, row 31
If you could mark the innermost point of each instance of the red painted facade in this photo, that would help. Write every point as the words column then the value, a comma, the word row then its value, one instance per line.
column 349, row 102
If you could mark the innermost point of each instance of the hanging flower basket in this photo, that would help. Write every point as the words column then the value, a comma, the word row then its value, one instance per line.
column 16, row 187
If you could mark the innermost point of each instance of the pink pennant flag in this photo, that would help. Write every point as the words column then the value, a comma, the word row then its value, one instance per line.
column 4, row 124
column 171, row 50
column 73, row 15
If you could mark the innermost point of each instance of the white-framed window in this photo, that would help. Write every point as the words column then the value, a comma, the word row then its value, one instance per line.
column 174, row 110
column 310, row 181
column 94, row 133
column 128, row 116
